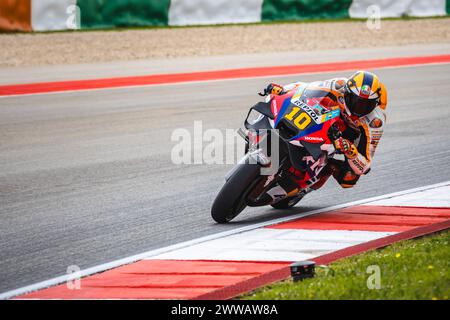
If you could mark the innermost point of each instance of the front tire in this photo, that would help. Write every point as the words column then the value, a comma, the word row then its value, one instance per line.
column 231, row 199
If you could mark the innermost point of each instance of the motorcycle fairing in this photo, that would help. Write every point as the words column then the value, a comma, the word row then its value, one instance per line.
column 312, row 136
column 313, row 148
column 263, row 108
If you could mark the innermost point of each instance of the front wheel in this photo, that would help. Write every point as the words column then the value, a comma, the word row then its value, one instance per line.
column 231, row 199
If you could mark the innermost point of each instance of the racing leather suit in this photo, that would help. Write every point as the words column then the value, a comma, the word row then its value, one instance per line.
column 364, row 133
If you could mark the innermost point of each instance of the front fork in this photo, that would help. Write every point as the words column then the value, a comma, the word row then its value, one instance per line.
column 256, row 149
column 256, row 146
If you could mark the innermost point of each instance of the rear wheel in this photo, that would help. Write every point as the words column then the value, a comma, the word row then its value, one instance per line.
column 231, row 199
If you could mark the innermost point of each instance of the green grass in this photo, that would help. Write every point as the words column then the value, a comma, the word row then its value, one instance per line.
column 321, row 20
column 413, row 269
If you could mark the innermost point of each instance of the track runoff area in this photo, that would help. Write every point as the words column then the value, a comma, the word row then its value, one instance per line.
column 224, row 265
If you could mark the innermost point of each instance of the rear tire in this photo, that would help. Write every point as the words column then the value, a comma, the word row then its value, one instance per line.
column 231, row 199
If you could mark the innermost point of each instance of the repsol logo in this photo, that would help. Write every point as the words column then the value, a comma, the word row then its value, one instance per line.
column 307, row 109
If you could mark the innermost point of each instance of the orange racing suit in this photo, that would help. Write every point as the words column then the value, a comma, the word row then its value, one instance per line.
column 364, row 133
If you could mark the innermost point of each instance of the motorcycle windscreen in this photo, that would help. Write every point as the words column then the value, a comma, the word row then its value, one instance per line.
column 257, row 117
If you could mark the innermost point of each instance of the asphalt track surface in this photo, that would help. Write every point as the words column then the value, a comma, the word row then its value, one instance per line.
column 87, row 177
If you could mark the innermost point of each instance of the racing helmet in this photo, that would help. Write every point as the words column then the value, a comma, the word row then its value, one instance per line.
column 362, row 93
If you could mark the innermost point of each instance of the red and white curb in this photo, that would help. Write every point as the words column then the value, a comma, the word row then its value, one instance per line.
column 227, row 264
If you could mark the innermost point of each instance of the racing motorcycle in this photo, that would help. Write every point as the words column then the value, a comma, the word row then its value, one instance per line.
column 302, row 123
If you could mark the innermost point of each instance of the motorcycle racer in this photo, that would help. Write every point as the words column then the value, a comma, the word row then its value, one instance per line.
column 364, row 100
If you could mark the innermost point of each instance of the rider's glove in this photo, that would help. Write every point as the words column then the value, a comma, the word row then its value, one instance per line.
column 346, row 147
column 334, row 133
column 272, row 88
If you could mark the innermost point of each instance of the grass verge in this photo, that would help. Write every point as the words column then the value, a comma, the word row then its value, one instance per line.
column 413, row 269
column 275, row 22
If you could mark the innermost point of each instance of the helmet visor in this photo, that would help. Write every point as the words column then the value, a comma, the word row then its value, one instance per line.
column 359, row 106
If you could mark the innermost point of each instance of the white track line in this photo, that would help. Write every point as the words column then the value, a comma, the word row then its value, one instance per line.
column 148, row 254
